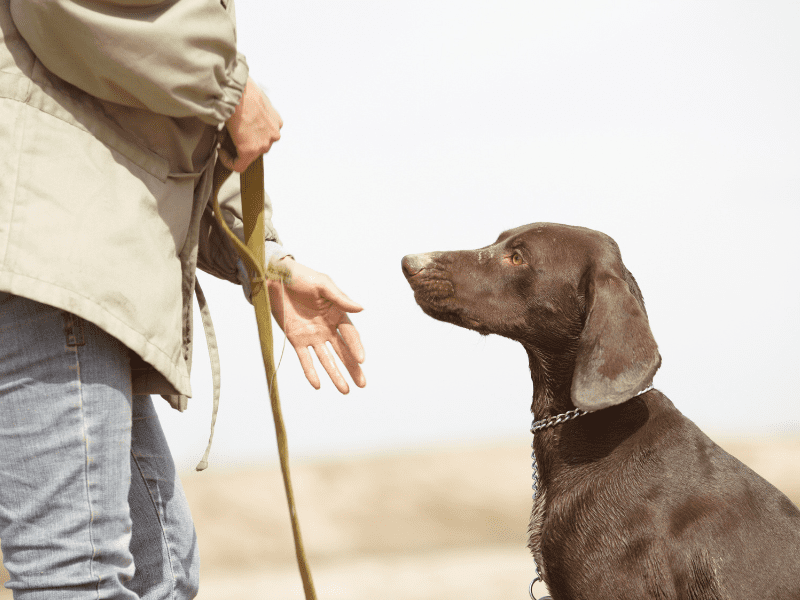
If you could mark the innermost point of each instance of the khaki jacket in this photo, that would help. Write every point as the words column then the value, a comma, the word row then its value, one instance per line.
column 110, row 114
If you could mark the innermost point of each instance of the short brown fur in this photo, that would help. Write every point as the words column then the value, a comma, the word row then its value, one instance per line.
column 635, row 501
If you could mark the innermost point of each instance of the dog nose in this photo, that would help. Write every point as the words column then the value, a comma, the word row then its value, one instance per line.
column 414, row 263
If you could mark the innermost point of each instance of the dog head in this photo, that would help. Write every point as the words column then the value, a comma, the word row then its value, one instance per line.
column 561, row 291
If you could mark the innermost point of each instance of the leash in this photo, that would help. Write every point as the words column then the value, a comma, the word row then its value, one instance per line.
column 538, row 426
column 252, row 255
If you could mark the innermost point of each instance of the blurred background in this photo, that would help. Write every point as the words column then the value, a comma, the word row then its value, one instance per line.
column 674, row 127
column 415, row 126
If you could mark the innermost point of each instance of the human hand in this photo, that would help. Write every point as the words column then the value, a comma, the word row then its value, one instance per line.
column 311, row 310
column 254, row 126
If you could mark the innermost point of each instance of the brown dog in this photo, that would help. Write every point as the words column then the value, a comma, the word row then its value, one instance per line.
column 634, row 500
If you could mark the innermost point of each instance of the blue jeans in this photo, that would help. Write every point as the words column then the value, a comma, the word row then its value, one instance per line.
column 90, row 504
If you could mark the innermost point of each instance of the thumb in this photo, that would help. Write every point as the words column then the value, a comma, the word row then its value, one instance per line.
column 340, row 299
column 238, row 163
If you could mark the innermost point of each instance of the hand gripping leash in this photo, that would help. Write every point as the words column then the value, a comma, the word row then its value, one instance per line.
column 252, row 255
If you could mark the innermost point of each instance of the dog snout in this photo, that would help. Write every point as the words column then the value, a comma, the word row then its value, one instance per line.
column 414, row 263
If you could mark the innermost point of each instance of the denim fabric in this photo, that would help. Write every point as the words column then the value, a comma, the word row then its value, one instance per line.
column 90, row 504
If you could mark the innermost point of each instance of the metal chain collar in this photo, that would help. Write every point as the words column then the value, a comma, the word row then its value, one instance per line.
column 557, row 420
column 538, row 426
column 570, row 414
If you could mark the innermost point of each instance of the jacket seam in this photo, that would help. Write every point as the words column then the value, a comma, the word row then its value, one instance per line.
column 86, row 471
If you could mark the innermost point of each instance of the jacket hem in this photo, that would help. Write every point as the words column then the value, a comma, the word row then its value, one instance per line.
column 68, row 300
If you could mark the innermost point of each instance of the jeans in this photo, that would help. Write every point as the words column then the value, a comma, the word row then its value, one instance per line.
column 90, row 504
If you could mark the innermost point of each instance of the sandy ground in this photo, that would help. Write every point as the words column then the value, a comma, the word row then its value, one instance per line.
column 445, row 523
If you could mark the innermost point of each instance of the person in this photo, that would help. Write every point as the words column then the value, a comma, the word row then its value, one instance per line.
column 111, row 118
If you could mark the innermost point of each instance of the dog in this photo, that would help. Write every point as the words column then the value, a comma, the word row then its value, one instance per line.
column 634, row 501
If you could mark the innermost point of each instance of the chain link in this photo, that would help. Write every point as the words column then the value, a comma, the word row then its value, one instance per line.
column 569, row 415
column 557, row 420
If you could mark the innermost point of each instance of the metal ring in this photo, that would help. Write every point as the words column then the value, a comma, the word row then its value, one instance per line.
column 530, row 591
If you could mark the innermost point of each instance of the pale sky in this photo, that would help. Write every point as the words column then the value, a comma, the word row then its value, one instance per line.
column 413, row 126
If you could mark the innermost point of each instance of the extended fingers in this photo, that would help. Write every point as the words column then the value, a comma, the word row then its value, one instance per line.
column 307, row 363
column 314, row 328
column 327, row 362
column 352, row 340
column 351, row 360
column 346, row 342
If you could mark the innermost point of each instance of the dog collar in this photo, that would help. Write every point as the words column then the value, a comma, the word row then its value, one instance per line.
column 569, row 415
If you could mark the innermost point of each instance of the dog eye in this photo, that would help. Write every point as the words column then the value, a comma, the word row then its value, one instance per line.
column 516, row 259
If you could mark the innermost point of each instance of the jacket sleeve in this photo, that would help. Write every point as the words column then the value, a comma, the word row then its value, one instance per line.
column 176, row 57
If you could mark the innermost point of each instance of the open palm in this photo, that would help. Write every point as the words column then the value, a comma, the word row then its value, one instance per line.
column 312, row 311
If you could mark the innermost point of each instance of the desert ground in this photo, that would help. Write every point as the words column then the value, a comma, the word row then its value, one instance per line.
column 431, row 524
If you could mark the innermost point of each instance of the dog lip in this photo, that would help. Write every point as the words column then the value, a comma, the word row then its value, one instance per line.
column 431, row 290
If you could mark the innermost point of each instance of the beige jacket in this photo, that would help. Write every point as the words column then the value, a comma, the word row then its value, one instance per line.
column 110, row 113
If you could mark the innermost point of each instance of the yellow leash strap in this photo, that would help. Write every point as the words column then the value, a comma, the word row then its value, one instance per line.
column 252, row 255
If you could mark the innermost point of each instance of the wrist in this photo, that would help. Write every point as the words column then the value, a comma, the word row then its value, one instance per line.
column 274, row 251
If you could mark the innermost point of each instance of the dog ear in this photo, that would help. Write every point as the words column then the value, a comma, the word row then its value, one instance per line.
column 617, row 354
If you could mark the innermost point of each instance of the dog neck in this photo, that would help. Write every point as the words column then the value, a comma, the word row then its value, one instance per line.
column 586, row 439
column 551, row 445
column 551, row 375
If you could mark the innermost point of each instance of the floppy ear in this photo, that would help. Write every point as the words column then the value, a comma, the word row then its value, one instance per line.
column 617, row 354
